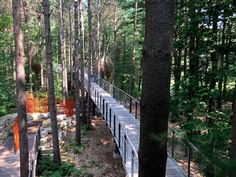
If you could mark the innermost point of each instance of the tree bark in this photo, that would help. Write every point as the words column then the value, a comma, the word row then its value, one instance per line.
column 123, row 64
column 133, row 46
column 193, row 58
column 71, row 51
column 90, row 52
column 51, row 96
column 114, row 45
column 20, row 86
column 81, row 24
column 97, row 41
column 63, row 49
column 155, row 96
column 214, row 61
column 76, row 81
column 220, row 83
column 27, row 45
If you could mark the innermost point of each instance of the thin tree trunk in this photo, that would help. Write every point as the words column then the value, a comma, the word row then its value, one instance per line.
column 90, row 60
column 27, row 46
column 71, row 50
column 229, row 43
column 81, row 22
column 63, row 49
column 193, row 59
column 77, row 85
column 114, row 45
column 124, row 70
column 133, row 46
column 97, row 41
column 155, row 88
column 211, row 104
column 20, row 85
column 220, row 84
column 41, row 75
column 177, row 71
column 51, row 96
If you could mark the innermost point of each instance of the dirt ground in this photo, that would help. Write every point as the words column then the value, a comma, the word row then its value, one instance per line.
column 96, row 158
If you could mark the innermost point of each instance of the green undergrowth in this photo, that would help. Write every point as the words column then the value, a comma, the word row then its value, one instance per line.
column 65, row 169
column 73, row 147
column 49, row 169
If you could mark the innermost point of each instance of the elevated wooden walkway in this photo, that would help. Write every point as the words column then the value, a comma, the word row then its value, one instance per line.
column 10, row 162
column 125, row 129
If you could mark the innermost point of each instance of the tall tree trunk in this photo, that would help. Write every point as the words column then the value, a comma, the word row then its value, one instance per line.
column 77, row 85
column 228, row 45
column 155, row 96
column 133, row 46
column 20, row 85
column 71, row 50
column 220, row 84
column 114, row 45
column 51, row 96
column 63, row 49
column 27, row 45
column 124, row 70
column 193, row 58
column 97, row 40
column 90, row 52
column 177, row 70
column 81, row 24
column 214, row 61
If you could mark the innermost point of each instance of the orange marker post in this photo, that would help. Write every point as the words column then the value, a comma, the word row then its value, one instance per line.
column 16, row 131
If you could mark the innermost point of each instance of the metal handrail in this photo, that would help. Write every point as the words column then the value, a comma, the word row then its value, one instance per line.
column 33, row 155
column 134, row 104
column 191, row 147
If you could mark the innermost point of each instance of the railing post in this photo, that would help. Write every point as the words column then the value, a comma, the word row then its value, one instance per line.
column 173, row 144
column 114, row 125
column 95, row 97
column 106, row 111
column 119, row 131
column 110, row 117
column 125, row 100
column 130, row 105
column 113, row 92
column 124, row 149
column 132, row 163
column 103, row 107
column 100, row 102
column 189, row 160
column 136, row 109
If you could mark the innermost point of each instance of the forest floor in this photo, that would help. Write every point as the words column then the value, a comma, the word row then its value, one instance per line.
column 95, row 156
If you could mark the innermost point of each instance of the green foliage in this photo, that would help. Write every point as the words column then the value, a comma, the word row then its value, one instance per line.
column 5, row 22
column 74, row 146
column 49, row 169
